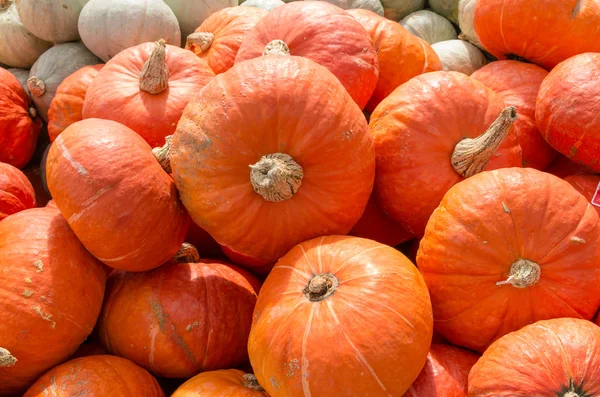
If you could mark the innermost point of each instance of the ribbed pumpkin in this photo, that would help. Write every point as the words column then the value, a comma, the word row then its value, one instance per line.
column 146, row 88
column 187, row 316
column 19, row 127
column 559, row 357
column 16, row 192
column 51, row 295
column 346, row 314
column 261, row 179
column 115, row 196
column 401, row 55
column 96, row 376
column 586, row 184
column 510, row 246
column 431, row 133
column 222, row 383
column 218, row 39
column 518, row 84
column 67, row 105
column 323, row 33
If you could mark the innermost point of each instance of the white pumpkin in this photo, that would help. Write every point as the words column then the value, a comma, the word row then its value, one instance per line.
column 429, row 26
column 466, row 15
column 446, row 8
column 264, row 4
column 52, row 68
column 18, row 47
column 107, row 27
column 459, row 56
column 371, row 5
column 22, row 75
column 398, row 9
column 51, row 20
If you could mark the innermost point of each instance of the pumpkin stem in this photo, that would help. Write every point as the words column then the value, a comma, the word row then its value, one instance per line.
column 187, row 254
column 36, row 86
column 523, row 273
column 6, row 359
column 320, row 287
column 276, row 47
column 570, row 394
column 154, row 78
column 471, row 155
column 202, row 40
column 162, row 154
column 251, row 382
column 4, row 4
column 276, row 177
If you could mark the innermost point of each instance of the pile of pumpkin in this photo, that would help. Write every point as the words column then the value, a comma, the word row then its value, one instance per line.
column 303, row 199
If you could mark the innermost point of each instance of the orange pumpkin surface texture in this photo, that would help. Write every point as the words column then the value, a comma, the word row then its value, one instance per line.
column 16, row 192
column 222, row 383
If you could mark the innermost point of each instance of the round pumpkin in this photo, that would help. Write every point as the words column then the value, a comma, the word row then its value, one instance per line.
column 322, row 33
column 459, row 56
column 557, row 357
column 222, row 383
column 466, row 16
column 218, row 39
column 587, row 184
column 341, row 314
column 146, row 88
column 51, row 20
column 544, row 32
column 264, row 4
column 398, row 9
column 67, row 105
column 511, row 246
column 518, row 84
column 301, row 166
column 51, row 296
column 429, row 26
column 19, row 127
column 100, row 375
column 16, row 192
column 401, row 55
column 119, row 202
column 371, row 5
column 431, row 133
column 567, row 109
column 563, row 167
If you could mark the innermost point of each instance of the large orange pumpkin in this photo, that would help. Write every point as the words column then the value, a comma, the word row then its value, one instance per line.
column 567, row 109
column 559, row 357
column 222, row 383
column 322, row 33
column 341, row 315
column 518, row 84
column 401, row 55
column 544, row 32
column 117, row 199
column 16, row 192
column 587, row 184
column 431, row 133
column 67, row 106
column 218, row 39
column 507, row 248
column 51, row 295
column 261, row 179
column 146, row 88
column 96, row 376
column 19, row 126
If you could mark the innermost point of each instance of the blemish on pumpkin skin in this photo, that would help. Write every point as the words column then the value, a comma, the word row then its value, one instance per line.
column 577, row 240
column 28, row 280
column 505, row 208
column 27, row 293
column 44, row 316
column 291, row 367
column 191, row 326
column 39, row 265
column 274, row 383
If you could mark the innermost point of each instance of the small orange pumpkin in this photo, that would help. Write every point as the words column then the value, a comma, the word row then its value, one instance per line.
column 16, row 192
column 222, row 383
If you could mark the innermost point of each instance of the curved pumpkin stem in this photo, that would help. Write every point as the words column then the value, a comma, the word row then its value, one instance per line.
column 201, row 40
column 523, row 273
column 276, row 177
column 276, row 47
column 36, row 86
column 187, row 254
column 471, row 155
column 6, row 359
column 154, row 78
column 162, row 154
column 251, row 382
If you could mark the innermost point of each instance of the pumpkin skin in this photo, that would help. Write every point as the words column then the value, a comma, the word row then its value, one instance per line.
column 369, row 334
column 257, row 266
column 93, row 348
column 559, row 357
column 459, row 56
column 88, row 182
column 101, row 375
column 429, row 26
column 228, row 28
column 115, row 93
column 143, row 321
column 586, row 184
column 16, row 192
column 53, row 290
column 214, row 144
column 415, row 134
column 446, row 8
column 398, row 9
column 206, row 245
column 466, row 17
column 567, row 107
column 510, row 29
column 512, row 222
column 18, row 131
column 264, row 4
column 222, row 383
column 563, row 167
column 518, row 84
column 325, row 34
column 66, row 107
column 371, row 5
column 51, row 20
column 22, row 75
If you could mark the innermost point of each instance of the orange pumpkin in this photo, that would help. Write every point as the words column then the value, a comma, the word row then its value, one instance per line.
column 559, row 357
column 544, row 32
column 218, row 39
column 563, row 167
column 16, row 192
column 310, row 153
column 96, row 376
column 511, row 246
column 51, row 295
column 431, row 133
column 518, row 84
column 587, row 184
column 401, row 55
column 222, row 383
column 67, row 106
column 341, row 314
column 146, row 88
column 119, row 202
column 322, row 33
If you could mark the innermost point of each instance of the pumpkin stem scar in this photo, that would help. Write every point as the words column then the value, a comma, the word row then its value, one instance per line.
column 523, row 273
column 154, row 77
column 251, row 382
column 320, row 287
column 4, row 4
column 163, row 154
column 6, row 359
column 201, row 40
column 471, row 155
column 276, row 177
column 36, row 86
column 187, row 254
column 276, row 47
